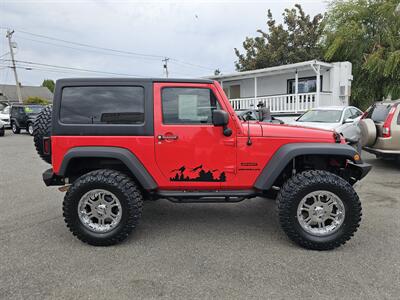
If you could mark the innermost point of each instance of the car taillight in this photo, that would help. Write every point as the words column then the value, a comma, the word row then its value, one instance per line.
column 386, row 125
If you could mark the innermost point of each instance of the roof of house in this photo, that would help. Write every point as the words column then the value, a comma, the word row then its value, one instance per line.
column 272, row 70
column 8, row 92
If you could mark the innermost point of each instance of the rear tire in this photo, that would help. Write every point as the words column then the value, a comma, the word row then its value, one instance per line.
column 15, row 129
column 41, row 130
column 294, row 216
column 87, row 222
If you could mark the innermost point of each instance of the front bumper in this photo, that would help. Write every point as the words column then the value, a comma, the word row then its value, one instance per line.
column 6, row 124
column 50, row 178
column 382, row 152
column 358, row 171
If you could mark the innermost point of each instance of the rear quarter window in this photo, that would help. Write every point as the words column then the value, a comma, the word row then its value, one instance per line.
column 379, row 112
column 102, row 105
column 398, row 116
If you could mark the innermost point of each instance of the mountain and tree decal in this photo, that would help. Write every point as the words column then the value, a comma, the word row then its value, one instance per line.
column 197, row 174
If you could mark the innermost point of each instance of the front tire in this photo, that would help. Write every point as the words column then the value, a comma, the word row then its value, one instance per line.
column 102, row 207
column 318, row 210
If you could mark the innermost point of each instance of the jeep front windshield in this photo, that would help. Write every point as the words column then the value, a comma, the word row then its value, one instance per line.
column 33, row 109
column 321, row 116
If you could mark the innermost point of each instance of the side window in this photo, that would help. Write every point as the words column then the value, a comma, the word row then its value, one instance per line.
column 347, row 114
column 355, row 113
column 102, row 105
column 188, row 105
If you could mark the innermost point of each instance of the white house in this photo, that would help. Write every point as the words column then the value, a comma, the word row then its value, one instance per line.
column 290, row 89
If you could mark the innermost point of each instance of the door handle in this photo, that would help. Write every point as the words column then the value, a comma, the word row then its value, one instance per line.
column 167, row 137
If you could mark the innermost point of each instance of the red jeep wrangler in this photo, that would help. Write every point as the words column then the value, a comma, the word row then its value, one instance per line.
column 115, row 142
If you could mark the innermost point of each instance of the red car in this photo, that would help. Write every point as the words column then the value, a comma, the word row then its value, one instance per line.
column 113, row 143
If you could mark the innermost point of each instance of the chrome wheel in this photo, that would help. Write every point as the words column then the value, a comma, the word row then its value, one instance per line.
column 321, row 213
column 99, row 211
column 30, row 129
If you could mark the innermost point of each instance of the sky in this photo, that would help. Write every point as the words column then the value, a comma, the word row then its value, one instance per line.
column 197, row 36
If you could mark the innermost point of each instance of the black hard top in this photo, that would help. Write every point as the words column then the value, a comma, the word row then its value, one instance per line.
column 124, row 79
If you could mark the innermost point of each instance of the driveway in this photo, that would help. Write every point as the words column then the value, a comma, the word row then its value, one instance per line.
column 189, row 251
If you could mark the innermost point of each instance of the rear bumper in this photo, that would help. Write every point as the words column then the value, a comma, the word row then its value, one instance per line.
column 381, row 151
column 50, row 178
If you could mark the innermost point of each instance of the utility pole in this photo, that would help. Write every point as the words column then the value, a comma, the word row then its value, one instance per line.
column 165, row 61
column 9, row 35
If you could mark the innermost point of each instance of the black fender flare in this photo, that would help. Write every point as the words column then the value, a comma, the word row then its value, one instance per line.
column 14, row 120
column 124, row 155
column 287, row 152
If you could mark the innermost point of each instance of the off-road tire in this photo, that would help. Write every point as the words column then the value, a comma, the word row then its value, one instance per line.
column 41, row 129
column 120, row 185
column 304, row 183
column 15, row 129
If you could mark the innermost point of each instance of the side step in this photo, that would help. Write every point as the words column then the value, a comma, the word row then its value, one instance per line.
column 207, row 196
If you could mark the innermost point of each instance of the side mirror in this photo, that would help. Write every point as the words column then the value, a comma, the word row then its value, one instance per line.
column 348, row 121
column 221, row 118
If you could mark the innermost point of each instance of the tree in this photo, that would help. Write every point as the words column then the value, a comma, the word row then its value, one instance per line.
column 36, row 100
column 366, row 33
column 299, row 40
column 49, row 83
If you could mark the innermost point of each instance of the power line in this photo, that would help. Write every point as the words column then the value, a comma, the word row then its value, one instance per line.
column 90, row 46
column 115, row 50
column 85, row 50
column 72, row 68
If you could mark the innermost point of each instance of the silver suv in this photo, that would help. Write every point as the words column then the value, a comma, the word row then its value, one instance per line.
column 380, row 129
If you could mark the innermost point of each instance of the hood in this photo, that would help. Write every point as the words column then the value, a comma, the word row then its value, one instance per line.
column 296, row 132
column 327, row 126
column 32, row 116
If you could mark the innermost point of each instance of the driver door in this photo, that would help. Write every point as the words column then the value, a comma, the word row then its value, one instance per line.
column 191, row 152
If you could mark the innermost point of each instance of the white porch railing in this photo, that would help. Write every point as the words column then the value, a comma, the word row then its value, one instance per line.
column 279, row 103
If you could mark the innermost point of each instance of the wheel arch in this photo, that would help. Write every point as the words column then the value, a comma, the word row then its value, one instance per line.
column 122, row 155
column 287, row 153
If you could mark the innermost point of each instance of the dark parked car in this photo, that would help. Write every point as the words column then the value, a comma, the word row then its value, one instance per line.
column 23, row 116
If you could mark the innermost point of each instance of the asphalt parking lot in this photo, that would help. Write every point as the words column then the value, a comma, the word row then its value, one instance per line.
column 189, row 251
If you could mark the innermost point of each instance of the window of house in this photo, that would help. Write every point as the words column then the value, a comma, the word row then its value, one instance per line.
column 306, row 85
column 102, row 105
column 188, row 105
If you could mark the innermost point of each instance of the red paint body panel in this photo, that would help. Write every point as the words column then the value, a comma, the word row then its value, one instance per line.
column 199, row 145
